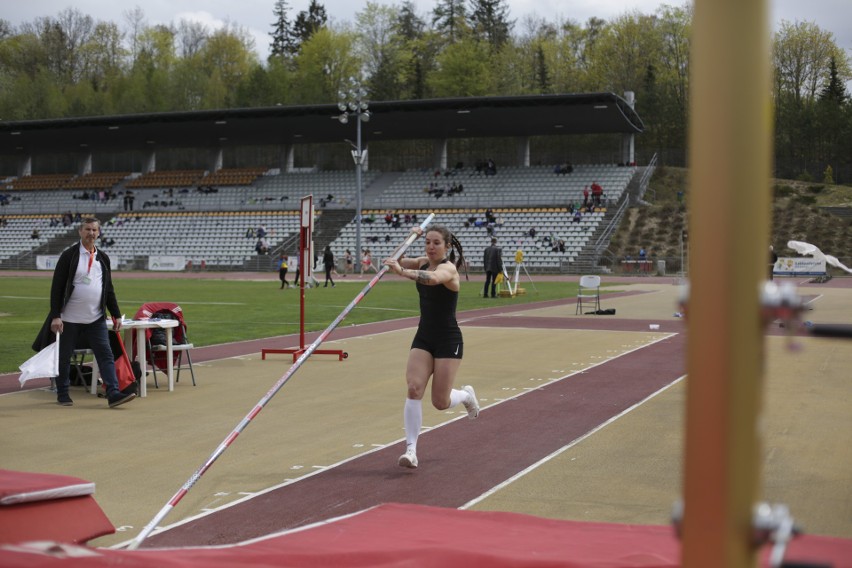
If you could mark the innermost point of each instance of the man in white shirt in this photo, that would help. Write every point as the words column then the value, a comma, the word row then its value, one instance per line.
column 80, row 296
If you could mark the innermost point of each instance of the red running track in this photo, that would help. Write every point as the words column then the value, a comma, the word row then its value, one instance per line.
column 459, row 461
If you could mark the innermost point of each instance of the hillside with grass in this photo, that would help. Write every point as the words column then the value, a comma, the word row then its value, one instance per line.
column 804, row 211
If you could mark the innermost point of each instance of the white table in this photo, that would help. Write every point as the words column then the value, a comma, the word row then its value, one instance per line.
column 141, row 325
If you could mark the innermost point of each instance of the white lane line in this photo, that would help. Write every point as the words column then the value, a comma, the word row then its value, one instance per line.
column 558, row 452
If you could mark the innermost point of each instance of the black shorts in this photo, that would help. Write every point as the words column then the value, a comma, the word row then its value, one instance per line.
column 446, row 348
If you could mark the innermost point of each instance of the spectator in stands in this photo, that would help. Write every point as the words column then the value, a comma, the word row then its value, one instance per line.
column 282, row 272
column 570, row 207
column 492, row 261
column 532, row 232
column 35, row 234
column 388, row 217
column 586, row 197
column 490, row 168
column 250, row 233
column 328, row 264
column 597, row 193
column 262, row 246
column 578, row 216
column 564, row 168
column 559, row 246
column 489, row 216
column 642, row 253
column 261, row 232
column 67, row 219
column 3, row 222
column 128, row 200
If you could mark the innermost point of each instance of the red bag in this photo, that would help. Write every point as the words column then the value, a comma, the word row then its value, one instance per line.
column 123, row 368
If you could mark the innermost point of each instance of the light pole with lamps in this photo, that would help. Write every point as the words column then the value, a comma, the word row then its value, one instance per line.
column 353, row 104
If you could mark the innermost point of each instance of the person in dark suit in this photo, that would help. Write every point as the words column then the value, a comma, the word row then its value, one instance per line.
column 493, row 263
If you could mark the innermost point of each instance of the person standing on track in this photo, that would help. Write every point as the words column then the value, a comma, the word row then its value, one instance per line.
column 493, row 264
column 282, row 272
column 328, row 264
column 438, row 347
column 81, row 298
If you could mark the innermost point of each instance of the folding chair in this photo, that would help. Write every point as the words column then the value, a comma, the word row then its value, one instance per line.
column 589, row 293
column 78, row 359
column 155, row 353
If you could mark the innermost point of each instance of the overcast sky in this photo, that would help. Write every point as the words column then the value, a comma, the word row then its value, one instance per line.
column 256, row 15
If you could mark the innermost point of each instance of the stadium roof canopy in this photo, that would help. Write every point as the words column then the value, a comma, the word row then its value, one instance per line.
column 476, row 117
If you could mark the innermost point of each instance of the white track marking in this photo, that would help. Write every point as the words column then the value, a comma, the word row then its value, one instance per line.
column 573, row 443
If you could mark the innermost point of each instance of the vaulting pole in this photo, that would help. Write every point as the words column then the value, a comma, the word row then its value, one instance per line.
column 730, row 161
column 272, row 392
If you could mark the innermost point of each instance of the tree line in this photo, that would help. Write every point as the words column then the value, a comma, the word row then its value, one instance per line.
column 71, row 65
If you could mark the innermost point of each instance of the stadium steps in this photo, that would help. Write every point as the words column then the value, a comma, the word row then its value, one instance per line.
column 373, row 192
column 327, row 227
column 27, row 260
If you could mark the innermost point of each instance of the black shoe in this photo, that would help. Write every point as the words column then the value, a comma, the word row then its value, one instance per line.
column 120, row 398
column 64, row 400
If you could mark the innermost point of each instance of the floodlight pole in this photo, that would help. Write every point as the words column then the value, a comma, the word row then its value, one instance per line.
column 359, row 159
column 352, row 103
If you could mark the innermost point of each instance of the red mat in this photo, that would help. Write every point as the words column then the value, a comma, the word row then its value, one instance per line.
column 40, row 506
column 415, row 535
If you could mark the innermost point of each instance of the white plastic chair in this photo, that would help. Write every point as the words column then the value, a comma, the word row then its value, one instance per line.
column 589, row 293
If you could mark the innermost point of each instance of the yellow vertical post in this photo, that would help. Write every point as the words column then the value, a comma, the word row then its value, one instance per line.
column 730, row 135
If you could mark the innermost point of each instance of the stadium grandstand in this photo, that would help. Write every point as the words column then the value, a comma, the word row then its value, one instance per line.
column 205, row 182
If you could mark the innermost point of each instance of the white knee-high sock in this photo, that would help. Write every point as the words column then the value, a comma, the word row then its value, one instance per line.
column 413, row 420
column 458, row 396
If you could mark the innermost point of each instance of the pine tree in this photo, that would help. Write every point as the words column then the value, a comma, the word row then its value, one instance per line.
column 834, row 91
column 446, row 17
column 308, row 23
column 490, row 21
column 542, row 77
column 283, row 44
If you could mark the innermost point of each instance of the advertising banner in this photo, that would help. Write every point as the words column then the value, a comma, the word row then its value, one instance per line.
column 799, row 266
column 161, row 262
column 46, row 261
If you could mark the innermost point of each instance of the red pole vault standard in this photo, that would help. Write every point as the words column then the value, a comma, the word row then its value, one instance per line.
column 306, row 255
column 272, row 392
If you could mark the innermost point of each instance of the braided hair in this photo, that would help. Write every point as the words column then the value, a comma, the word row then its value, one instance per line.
column 453, row 244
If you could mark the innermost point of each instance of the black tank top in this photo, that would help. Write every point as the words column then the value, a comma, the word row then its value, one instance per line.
column 437, row 308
